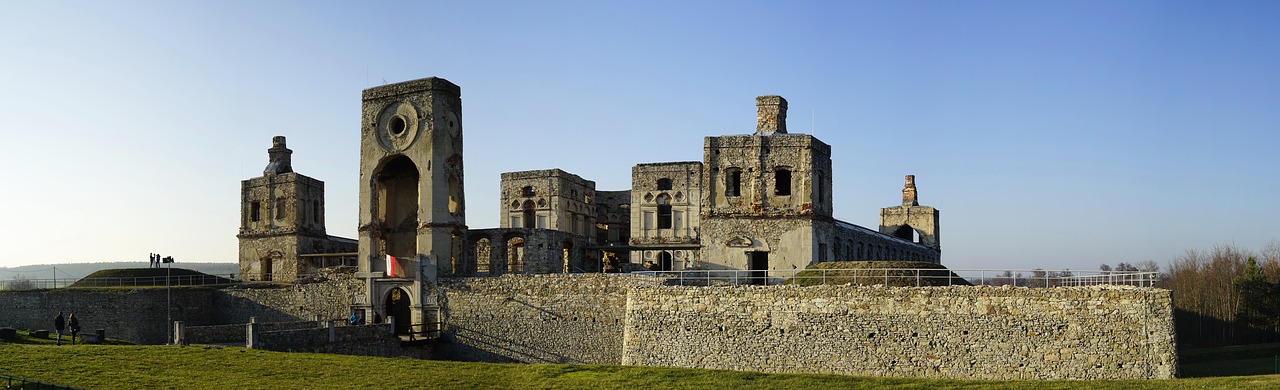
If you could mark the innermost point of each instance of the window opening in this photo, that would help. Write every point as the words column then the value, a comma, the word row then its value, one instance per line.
column 782, row 182
column 664, row 184
column 733, row 183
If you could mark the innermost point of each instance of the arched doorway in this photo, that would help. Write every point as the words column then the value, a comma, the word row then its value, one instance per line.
column 397, row 306
column 664, row 261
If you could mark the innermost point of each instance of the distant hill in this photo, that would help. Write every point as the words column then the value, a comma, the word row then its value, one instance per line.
column 80, row 270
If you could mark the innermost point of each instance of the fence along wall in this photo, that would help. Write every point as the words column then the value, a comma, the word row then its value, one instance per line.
column 962, row 332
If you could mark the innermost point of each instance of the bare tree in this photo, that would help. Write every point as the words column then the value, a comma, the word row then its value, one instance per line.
column 20, row 282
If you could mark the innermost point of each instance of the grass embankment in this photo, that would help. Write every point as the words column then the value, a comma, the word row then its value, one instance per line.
column 97, row 366
column 867, row 273
column 148, row 277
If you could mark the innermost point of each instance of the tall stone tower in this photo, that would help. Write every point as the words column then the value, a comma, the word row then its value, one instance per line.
column 759, row 188
column 281, row 217
column 412, row 213
column 911, row 221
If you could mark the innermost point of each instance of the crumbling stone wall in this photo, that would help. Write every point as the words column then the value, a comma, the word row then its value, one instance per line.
column 576, row 318
column 613, row 221
column 495, row 252
column 961, row 332
column 331, row 299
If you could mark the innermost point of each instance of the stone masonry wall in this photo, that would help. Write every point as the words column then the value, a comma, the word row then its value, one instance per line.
column 966, row 332
column 140, row 315
column 330, row 299
column 137, row 315
column 573, row 318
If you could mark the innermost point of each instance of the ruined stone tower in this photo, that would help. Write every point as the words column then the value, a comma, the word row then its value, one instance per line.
column 761, row 189
column 411, row 197
column 282, row 218
column 911, row 221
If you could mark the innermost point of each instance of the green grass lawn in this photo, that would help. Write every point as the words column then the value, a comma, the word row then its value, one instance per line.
column 114, row 366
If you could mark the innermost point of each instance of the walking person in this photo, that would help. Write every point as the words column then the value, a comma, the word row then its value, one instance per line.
column 59, row 324
column 74, row 324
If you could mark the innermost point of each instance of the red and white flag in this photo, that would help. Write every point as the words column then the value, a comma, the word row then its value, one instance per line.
column 392, row 267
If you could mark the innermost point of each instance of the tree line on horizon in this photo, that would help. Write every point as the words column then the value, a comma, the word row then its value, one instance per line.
column 1225, row 295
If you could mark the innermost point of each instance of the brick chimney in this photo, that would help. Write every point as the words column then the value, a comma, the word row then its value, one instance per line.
column 771, row 115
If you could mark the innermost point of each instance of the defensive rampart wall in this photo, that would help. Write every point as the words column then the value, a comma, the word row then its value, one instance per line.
column 1103, row 332
column 566, row 318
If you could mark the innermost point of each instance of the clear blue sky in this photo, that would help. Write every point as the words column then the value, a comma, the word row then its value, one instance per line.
column 1051, row 134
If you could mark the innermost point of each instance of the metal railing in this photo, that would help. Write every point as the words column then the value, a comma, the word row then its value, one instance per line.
column 908, row 277
column 126, row 281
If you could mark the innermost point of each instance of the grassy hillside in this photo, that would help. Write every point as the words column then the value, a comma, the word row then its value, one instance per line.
column 135, row 277
column 104, row 366
column 80, row 270
column 900, row 274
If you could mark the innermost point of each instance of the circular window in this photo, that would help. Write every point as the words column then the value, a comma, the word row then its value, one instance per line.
column 397, row 125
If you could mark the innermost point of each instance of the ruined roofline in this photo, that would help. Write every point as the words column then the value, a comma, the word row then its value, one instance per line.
column 665, row 164
column 282, row 178
column 751, row 141
column 847, row 225
column 543, row 173
column 411, row 86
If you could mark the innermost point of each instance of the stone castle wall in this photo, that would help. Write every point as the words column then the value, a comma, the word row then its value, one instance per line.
column 140, row 315
column 937, row 332
column 135, row 315
column 574, row 318
column 959, row 332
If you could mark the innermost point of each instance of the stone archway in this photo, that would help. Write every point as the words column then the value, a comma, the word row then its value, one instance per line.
column 398, row 305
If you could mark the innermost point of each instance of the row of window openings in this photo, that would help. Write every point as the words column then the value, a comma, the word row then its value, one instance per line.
column 666, row 218
column 255, row 211
column 529, row 220
column 781, row 183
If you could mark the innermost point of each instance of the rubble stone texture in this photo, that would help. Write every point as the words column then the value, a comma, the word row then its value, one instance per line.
column 959, row 332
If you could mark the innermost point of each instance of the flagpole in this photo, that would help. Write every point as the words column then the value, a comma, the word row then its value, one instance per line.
column 168, row 305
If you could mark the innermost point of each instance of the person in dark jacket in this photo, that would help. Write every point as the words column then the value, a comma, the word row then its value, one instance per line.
column 73, row 324
column 59, row 324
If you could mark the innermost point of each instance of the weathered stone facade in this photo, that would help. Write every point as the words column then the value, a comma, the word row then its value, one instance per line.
column 412, row 210
column 548, row 199
column 758, row 202
column 665, row 227
column 961, row 332
column 281, row 219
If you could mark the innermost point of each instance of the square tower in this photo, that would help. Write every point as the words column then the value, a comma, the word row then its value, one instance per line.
column 764, row 189
column 412, row 219
column 281, row 217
